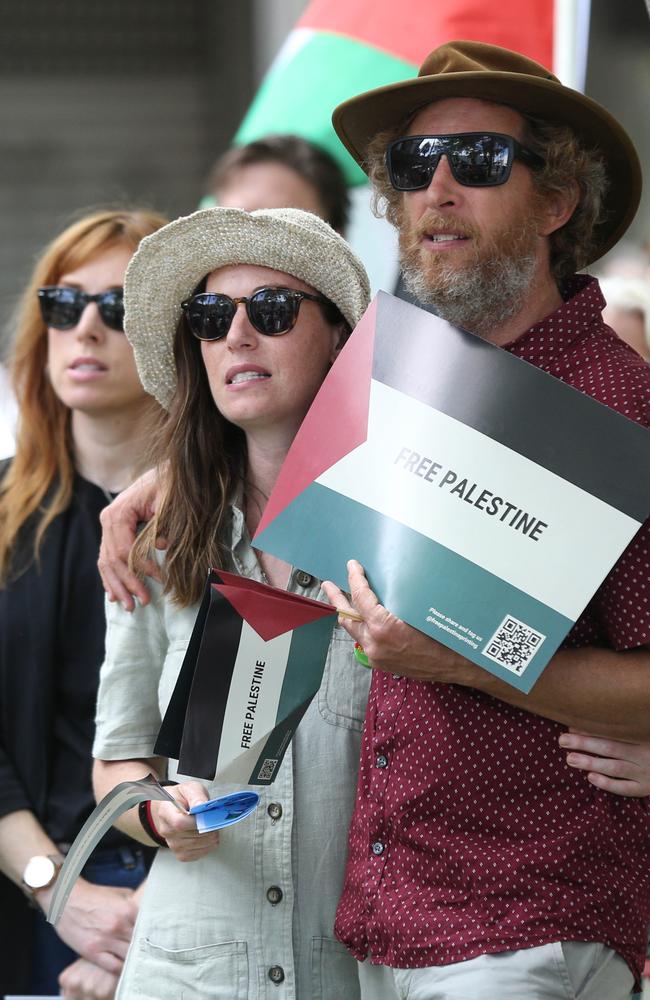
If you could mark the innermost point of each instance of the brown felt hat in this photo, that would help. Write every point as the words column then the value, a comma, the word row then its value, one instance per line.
column 491, row 73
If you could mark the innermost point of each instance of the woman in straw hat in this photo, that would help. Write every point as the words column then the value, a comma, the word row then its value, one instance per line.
column 81, row 435
column 235, row 319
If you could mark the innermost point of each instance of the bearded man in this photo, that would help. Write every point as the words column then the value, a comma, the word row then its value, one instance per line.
column 479, row 864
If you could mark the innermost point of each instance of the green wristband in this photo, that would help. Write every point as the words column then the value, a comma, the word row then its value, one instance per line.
column 360, row 655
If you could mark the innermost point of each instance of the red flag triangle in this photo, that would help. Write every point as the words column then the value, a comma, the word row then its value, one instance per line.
column 270, row 611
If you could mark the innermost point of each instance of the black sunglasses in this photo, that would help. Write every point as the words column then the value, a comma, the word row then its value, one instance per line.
column 61, row 306
column 476, row 159
column 272, row 311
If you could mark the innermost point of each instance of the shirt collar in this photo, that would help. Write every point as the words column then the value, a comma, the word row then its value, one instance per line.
column 243, row 557
column 581, row 309
column 246, row 563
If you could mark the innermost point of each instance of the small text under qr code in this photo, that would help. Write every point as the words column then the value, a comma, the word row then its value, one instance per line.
column 267, row 769
column 513, row 645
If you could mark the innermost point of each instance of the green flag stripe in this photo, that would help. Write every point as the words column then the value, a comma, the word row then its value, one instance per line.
column 299, row 94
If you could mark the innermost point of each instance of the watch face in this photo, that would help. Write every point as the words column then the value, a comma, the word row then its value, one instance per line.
column 39, row 872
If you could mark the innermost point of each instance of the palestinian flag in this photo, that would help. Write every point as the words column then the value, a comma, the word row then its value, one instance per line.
column 254, row 662
column 340, row 48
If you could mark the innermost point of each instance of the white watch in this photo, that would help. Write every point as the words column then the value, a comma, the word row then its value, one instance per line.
column 41, row 871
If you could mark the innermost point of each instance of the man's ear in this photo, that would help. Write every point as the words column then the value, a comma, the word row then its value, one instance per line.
column 557, row 208
column 340, row 334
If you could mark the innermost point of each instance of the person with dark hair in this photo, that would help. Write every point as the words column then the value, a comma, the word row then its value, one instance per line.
column 82, row 428
column 235, row 319
column 479, row 863
column 282, row 171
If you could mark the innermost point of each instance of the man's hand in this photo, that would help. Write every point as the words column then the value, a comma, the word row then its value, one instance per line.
column 389, row 643
column 119, row 526
column 97, row 922
column 612, row 765
column 587, row 689
column 84, row 981
column 178, row 829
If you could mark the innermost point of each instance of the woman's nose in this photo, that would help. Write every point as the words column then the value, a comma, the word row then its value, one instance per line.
column 90, row 325
column 241, row 332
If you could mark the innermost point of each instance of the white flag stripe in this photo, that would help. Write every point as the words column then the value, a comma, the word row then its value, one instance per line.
column 240, row 770
column 558, row 569
column 295, row 41
column 253, row 700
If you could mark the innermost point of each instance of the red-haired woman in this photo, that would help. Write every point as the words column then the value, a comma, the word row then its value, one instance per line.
column 82, row 425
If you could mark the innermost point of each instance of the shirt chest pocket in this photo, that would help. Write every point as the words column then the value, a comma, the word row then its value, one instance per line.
column 343, row 693
column 213, row 972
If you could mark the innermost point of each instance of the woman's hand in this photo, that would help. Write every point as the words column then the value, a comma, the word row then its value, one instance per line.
column 179, row 829
column 97, row 922
column 612, row 765
column 84, row 981
column 119, row 527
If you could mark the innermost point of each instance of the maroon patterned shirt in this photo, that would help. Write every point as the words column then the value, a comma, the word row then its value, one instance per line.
column 471, row 834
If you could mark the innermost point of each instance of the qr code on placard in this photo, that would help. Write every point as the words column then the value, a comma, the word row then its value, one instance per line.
column 267, row 769
column 513, row 645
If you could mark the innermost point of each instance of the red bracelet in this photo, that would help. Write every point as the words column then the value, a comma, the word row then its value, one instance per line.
column 148, row 825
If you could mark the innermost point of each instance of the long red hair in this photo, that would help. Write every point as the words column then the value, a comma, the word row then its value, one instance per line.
column 43, row 460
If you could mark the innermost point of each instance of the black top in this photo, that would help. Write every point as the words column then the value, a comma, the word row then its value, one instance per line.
column 79, row 655
column 51, row 649
column 52, row 627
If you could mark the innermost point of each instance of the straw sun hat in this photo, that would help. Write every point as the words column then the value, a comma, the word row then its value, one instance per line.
column 491, row 73
column 170, row 263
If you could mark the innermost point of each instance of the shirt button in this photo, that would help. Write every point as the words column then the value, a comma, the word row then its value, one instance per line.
column 377, row 848
column 274, row 810
column 274, row 894
column 381, row 760
column 304, row 579
column 276, row 974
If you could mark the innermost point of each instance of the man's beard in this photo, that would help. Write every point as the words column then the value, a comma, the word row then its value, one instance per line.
column 485, row 289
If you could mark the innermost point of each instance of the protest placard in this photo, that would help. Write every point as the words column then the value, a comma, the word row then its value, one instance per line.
column 485, row 499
